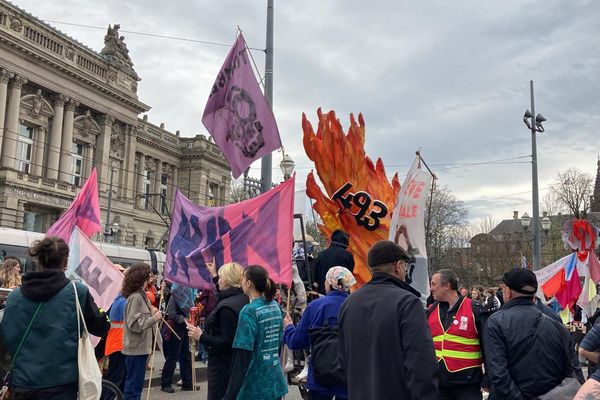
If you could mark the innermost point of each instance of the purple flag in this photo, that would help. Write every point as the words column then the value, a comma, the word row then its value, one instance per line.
column 237, row 114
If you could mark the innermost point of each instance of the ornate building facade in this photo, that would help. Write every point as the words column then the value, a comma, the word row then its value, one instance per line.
column 65, row 109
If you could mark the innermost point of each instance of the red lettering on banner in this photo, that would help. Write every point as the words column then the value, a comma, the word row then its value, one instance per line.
column 408, row 212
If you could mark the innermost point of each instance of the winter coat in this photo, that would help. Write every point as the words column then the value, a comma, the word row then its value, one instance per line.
column 221, row 326
column 519, row 364
column 385, row 343
column 335, row 255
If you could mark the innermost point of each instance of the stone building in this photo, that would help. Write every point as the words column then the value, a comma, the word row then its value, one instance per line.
column 64, row 109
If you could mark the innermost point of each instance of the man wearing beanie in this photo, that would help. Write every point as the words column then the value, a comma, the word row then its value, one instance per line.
column 527, row 353
column 385, row 344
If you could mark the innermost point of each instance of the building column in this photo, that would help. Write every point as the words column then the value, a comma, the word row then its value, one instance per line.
column 12, row 122
column 55, row 136
column 157, row 178
column 40, row 146
column 88, row 160
column 174, row 186
column 130, row 181
column 66, row 144
column 4, row 78
column 103, row 152
column 140, row 180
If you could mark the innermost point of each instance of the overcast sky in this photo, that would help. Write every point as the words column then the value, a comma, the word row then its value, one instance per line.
column 451, row 78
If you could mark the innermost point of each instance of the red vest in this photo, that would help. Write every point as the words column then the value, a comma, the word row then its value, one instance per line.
column 459, row 345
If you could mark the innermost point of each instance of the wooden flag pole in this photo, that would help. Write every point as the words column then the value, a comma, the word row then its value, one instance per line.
column 156, row 334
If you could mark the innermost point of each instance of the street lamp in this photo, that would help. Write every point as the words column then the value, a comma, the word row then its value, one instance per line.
column 525, row 221
column 534, row 123
column 546, row 223
column 287, row 167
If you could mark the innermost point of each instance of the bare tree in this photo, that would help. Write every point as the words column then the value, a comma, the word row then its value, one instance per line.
column 484, row 224
column 552, row 204
column 573, row 189
column 237, row 191
column 447, row 218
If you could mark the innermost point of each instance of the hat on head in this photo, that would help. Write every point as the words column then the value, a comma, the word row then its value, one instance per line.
column 384, row 252
column 340, row 278
column 521, row 280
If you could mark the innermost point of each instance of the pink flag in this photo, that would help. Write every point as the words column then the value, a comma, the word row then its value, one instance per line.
column 594, row 266
column 84, row 212
column 90, row 266
column 237, row 114
column 256, row 231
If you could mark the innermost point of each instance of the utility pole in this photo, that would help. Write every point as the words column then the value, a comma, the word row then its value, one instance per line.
column 107, row 231
column 267, row 160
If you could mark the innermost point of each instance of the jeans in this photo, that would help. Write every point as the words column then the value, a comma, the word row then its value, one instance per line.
column 136, row 372
column 116, row 373
column 177, row 350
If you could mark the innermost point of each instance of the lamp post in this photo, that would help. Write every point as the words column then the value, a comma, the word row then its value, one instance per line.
column 107, row 230
column 287, row 167
column 534, row 123
column 267, row 160
column 546, row 224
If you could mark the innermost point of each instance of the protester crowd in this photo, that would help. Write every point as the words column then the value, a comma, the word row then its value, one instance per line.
column 375, row 342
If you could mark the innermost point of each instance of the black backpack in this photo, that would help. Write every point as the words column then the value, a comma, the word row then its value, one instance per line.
column 324, row 360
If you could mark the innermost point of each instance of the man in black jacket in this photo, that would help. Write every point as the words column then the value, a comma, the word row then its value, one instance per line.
column 527, row 353
column 335, row 255
column 384, row 342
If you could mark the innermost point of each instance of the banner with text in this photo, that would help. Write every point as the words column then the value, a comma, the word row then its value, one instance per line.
column 408, row 223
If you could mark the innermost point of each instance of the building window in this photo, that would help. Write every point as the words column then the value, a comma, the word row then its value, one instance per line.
column 24, row 149
column 190, row 145
column 147, row 185
column 164, row 179
column 77, row 160
column 213, row 190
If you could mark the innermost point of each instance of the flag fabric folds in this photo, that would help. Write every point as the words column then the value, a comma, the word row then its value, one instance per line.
column 83, row 213
column 256, row 231
column 408, row 223
column 90, row 266
column 184, row 297
column 237, row 114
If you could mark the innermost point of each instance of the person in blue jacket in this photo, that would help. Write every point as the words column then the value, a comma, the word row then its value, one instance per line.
column 338, row 282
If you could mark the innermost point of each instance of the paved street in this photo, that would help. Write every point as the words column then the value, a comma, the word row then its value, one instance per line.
column 156, row 394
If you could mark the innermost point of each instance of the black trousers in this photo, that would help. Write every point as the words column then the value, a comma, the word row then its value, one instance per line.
column 217, row 375
column 177, row 350
column 116, row 373
column 460, row 392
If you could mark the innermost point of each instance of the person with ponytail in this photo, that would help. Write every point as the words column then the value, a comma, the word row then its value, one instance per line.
column 256, row 371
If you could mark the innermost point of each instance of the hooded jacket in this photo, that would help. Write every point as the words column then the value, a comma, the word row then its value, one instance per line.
column 385, row 343
column 53, row 333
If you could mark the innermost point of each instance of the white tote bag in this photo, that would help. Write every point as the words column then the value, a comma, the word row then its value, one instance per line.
column 90, row 377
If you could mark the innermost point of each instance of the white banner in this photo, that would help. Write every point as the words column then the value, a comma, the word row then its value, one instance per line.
column 408, row 223
column 90, row 266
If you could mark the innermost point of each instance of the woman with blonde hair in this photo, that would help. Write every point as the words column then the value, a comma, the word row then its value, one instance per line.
column 221, row 326
column 10, row 274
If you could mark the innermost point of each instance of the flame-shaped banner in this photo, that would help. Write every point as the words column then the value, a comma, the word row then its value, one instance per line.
column 359, row 198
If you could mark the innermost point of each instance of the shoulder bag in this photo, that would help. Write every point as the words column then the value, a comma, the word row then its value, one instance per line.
column 90, row 377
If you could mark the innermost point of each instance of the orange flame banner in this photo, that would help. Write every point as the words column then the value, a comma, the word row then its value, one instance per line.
column 359, row 198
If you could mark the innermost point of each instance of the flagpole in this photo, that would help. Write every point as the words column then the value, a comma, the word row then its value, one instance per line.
column 267, row 160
